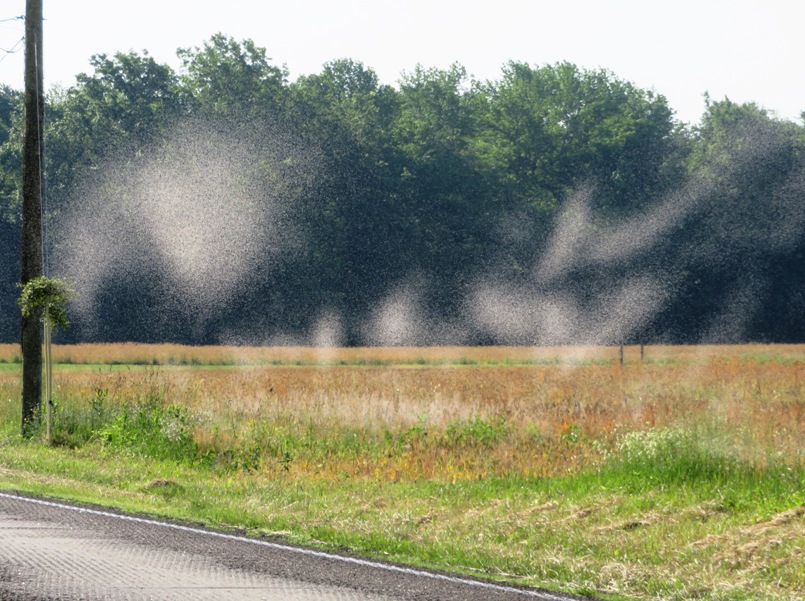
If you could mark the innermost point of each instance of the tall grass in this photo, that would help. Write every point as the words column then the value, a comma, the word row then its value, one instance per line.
column 433, row 421
column 581, row 474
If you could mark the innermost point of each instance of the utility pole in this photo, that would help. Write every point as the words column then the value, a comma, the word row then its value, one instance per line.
column 32, row 165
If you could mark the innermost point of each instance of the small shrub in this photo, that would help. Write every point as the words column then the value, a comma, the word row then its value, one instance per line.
column 571, row 432
column 535, row 434
column 75, row 424
column 673, row 455
column 231, row 459
column 414, row 436
column 477, row 431
column 152, row 430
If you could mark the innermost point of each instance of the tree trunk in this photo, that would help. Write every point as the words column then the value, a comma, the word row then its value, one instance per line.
column 32, row 163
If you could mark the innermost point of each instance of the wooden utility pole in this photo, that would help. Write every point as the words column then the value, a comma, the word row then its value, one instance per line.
column 32, row 164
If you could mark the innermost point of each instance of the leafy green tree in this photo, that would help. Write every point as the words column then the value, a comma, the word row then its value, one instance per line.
column 355, row 220
column 730, row 134
column 127, row 102
column 347, row 100
column 445, row 192
column 10, row 208
column 232, row 79
column 548, row 129
column 744, row 159
column 10, row 102
column 435, row 122
column 10, row 151
column 438, row 181
column 740, row 246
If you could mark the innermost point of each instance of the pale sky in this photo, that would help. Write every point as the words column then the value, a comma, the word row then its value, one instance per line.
column 748, row 50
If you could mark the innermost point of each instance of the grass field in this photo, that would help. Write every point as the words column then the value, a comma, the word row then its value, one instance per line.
column 672, row 477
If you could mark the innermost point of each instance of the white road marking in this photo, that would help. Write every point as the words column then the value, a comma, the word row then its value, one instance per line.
column 302, row 551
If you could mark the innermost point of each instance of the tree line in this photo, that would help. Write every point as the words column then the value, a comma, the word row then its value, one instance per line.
column 552, row 205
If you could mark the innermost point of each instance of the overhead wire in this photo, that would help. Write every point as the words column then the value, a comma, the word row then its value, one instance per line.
column 17, row 46
column 14, row 49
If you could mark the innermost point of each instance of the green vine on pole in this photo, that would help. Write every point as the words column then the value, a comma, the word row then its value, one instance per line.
column 51, row 294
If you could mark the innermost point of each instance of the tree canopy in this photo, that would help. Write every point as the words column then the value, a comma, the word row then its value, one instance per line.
column 439, row 210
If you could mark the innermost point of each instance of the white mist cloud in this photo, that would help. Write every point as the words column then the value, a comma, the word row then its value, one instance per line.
column 398, row 319
column 196, row 210
column 328, row 331
column 524, row 314
column 570, row 238
column 204, row 216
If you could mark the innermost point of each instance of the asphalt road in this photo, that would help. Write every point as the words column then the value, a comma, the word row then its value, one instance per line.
column 57, row 551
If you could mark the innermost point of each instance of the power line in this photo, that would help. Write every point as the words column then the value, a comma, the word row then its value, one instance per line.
column 14, row 49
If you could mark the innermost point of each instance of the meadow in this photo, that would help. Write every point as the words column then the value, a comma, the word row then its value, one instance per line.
column 674, row 475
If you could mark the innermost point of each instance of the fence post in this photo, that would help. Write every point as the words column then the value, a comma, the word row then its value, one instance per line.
column 48, row 376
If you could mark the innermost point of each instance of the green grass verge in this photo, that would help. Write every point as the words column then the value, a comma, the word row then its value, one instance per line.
column 667, row 516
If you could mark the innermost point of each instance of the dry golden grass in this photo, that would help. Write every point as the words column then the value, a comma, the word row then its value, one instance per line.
column 458, row 421
column 166, row 354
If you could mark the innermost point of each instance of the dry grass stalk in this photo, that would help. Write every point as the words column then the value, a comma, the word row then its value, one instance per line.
column 550, row 414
